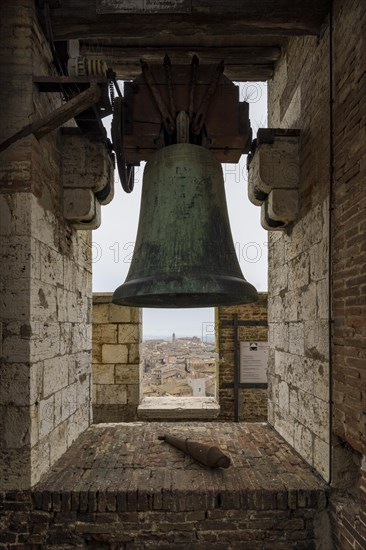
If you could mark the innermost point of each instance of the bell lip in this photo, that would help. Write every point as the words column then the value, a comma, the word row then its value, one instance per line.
column 224, row 291
column 217, row 301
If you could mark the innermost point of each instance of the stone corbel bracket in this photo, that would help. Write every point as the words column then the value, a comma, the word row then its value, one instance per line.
column 273, row 176
column 87, row 177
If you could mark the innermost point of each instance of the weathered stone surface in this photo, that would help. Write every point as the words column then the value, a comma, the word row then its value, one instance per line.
column 116, row 335
column 46, row 416
column 133, row 353
column 15, row 374
column 105, row 333
column 55, row 374
column 133, row 393
column 40, row 460
column 5, row 218
column 283, row 205
column 298, row 308
column 320, row 455
column 316, row 339
column 127, row 374
column 58, row 442
column 79, row 205
column 103, row 373
column 136, row 315
column 101, row 314
column 178, row 408
column 128, row 334
column 119, row 314
column 44, row 302
column 111, row 394
column 15, row 424
column 85, row 163
column 117, row 353
column 296, row 338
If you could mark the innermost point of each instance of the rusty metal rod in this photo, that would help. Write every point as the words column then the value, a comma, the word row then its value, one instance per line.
column 194, row 65
column 168, row 121
column 200, row 116
column 53, row 120
column 169, row 79
column 207, row 455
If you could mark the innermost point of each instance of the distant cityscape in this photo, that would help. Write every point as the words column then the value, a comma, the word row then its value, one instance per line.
column 177, row 367
column 208, row 338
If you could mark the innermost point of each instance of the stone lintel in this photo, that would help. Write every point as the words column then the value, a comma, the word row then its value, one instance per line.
column 178, row 408
column 102, row 297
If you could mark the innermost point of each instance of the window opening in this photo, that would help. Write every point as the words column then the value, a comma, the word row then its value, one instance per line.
column 178, row 353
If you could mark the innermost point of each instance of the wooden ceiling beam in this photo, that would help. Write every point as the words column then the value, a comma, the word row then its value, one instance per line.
column 249, row 73
column 181, row 55
column 253, row 17
column 238, row 73
column 246, row 63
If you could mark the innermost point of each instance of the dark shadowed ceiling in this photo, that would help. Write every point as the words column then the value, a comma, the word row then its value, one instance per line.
column 246, row 34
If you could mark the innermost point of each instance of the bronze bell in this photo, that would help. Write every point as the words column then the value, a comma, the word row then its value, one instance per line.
column 184, row 254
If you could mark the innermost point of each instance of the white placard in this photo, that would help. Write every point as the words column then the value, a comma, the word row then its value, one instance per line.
column 253, row 362
column 143, row 6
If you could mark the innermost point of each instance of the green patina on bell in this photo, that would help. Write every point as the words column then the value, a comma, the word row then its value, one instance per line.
column 184, row 254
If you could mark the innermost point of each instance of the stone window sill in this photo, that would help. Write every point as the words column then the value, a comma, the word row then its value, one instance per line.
column 178, row 408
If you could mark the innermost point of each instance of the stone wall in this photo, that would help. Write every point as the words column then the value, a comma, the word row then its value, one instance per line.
column 117, row 334
column 45, row 307
column 252, row 402
column 298, row 259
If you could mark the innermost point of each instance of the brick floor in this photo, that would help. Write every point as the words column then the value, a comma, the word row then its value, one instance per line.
column 129, row 458
column 119, row 487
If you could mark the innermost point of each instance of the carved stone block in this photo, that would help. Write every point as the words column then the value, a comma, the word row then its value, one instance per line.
column 274, row 174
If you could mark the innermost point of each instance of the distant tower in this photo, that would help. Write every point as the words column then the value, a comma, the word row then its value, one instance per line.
column 173, row 337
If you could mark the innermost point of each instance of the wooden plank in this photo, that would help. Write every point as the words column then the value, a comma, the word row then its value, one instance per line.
column 249, row 73
column 275, row 11
column 69, row 110
column 257, row 17
column 56, row 118
column 200, row 42
column 241, row 64
column 180, row 29
column 143, row 6
column 178, row 55
column 238, row 73
column 92, row 79
column 57, row 83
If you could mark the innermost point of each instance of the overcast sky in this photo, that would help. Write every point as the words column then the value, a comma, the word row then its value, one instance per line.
column 113, row 242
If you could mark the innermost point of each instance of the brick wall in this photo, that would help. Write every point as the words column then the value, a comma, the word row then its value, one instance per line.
column 45, row 306
column 349, row 242
column 252, row 401
column 111, row 521
column 119, row 487
column 116, row 371
column 348, row 517
column 298, row 269
column 348, row 275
